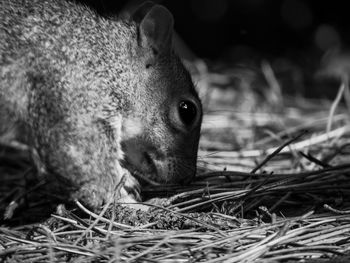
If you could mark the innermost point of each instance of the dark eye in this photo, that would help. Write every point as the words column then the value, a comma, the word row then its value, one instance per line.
column 187, row 112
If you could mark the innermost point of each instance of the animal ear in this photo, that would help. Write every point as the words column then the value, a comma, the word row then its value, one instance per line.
column 156, row 25
column 141, row 11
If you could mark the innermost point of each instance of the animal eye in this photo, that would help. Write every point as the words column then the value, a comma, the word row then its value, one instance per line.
column 187, row 112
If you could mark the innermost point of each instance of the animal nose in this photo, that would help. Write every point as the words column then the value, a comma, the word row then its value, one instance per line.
column 149, row 161
column 170, row 169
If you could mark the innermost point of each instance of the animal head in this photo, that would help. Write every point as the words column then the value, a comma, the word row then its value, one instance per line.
column 167, row 113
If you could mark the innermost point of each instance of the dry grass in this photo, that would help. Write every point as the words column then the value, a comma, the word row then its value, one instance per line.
column 273, row 186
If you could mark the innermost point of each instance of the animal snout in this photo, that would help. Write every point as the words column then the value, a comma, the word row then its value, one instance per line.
column 171, row 169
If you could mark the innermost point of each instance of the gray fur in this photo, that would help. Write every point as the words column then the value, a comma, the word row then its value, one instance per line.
column 74, row 86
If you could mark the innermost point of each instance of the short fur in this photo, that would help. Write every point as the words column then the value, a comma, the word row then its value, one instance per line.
column 83, row 90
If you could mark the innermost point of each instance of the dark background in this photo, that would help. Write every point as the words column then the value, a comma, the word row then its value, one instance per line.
column 221, row 29
column 296, row 37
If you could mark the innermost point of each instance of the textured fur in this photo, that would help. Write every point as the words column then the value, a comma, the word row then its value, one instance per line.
column 80, row 89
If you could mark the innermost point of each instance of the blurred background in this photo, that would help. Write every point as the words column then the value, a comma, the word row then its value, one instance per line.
column 302, row 40
column 219, row 28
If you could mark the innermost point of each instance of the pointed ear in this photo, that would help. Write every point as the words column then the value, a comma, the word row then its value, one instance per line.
column 156, row 25
column 141, row 11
